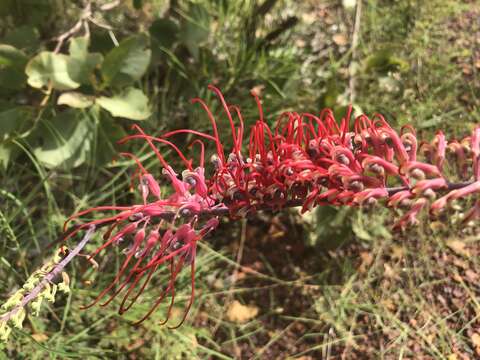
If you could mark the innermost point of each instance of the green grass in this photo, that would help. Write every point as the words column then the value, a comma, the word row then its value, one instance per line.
column 338, row 282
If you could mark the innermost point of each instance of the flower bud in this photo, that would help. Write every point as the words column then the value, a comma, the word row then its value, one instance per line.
column 118, row 241
column 377, row 169
column 343, row 159
column 430, row 194
column 357, row 140
column 407, row 145
column 189, row 177
column 405, row 203
column 356, row 186
column 215, row 161
column 386, row 139
column 185, row 212
column 417, row 174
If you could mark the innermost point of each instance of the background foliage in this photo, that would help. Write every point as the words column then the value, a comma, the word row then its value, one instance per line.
column 74, row 75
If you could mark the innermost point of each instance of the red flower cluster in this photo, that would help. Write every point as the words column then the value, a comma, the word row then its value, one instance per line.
column 305, row 160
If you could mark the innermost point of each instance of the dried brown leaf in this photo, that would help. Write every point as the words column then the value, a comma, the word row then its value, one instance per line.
column 475, row 339
column 367, row 260
column 340, row 39
column 459, row 247
column 239, row 313
column 40, row 337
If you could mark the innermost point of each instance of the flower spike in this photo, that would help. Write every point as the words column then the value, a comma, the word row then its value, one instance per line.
column 303, row 160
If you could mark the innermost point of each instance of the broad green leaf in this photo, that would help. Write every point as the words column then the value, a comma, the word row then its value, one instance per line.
column 62, row 141
column 12, row 79
column 12, row 57
column 370, row 226
column 12, row 67
column 5, row 105
column 101, row 42
column 78, row 47
column 328, row 227
column 25, row 37
column 82, row 63
column 164, row 32
column 33, row 12
column 75, row 100
column 6, row 7
column 127, row 62
column 131, row 104
column 109, row 132
column 195, row 28
column 14, row 120
column 50, row 68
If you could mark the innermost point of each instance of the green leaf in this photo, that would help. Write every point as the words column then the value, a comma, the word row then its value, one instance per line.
column 12, row 79
column 370, row 227
column 62, row 141
column 34, row 12
column 328, row 227
column 195, row 28
column 50, row 68
column 82, row 63
column 12, row 67
column 128, row 61
column 75, row 100
column 14, row 120
column 131, row 104
column 24, row 37
column 12, row 57
column 78, row 47
column 100, row 41
column 164, row 32
column 109, row 132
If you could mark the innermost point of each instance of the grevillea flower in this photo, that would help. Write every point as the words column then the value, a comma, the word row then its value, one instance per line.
column 304, row 160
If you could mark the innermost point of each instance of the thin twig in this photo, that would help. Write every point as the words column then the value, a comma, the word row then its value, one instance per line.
column 86, row 13
column 49, row 277
column 86, row 17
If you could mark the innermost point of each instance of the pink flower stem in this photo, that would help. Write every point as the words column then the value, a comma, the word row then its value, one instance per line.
column 451, row 186
column 224, row 210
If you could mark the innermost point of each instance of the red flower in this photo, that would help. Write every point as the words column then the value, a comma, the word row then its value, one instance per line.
column 305, row 160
